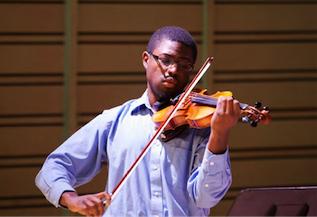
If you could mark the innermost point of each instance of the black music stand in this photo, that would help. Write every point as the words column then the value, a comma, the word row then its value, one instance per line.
column 278, row 201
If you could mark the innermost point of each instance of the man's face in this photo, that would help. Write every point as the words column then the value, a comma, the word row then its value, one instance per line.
column 168, row 69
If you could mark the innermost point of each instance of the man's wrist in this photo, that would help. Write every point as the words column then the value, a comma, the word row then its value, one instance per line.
column 66, row 197
column 218, row 141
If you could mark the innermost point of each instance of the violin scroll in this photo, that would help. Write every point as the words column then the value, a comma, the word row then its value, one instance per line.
column 256, row 114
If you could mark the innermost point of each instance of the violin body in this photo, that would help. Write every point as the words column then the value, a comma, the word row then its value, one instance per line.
column 199, row 118
column 178, row 119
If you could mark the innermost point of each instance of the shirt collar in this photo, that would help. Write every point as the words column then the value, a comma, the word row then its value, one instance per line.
column 141, row 104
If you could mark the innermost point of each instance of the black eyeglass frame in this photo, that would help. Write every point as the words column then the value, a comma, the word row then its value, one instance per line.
column 172, row 63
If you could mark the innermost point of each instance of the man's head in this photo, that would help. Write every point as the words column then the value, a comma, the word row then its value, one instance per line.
column 169, row 62
column 173, row 33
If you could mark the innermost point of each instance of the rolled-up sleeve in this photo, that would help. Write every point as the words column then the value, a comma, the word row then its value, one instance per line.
column 75, row 162
column 52, row 191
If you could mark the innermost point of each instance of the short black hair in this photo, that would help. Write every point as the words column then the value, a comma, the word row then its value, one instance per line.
column 173, row 33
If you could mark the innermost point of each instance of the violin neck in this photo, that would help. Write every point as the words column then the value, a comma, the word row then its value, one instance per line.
column 210, row 101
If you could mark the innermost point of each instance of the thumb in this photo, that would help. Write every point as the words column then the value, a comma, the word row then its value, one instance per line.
column 105, row 197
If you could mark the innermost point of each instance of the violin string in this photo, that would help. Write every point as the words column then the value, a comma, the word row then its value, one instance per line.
column 206, row 100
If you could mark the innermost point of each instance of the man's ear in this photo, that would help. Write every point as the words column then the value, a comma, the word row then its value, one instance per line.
column 145, row 59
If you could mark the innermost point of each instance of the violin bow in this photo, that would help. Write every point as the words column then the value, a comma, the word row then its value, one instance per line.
column 182, row 98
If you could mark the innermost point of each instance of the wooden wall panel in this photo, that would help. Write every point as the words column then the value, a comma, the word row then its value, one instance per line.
column 27, row 17
column 264, row 50
column 110, row 57
column 120, row 18
column 281, row 133
column 248, row 56
column 261, row 16
column 32, row 210
column 22, row 186
column 25, row 199
column 31, row 119
column 25, row 99
column 31, row 58
column 30, row 139
column 106, row 95
column 267, row 172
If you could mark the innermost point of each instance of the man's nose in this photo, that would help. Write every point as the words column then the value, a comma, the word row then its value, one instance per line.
column 173, row 68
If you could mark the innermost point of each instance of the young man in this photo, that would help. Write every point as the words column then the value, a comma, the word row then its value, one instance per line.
column 182, row 176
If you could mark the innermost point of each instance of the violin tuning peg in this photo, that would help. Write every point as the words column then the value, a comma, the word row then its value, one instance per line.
column 245, row 119
column 266, row 108
column 257, row 104
column 253, row 123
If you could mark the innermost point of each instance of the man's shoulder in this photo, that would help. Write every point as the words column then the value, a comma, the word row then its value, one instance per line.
column 108, row 116
column 119, row 110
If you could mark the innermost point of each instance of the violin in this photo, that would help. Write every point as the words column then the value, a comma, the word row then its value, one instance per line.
column 197, row 109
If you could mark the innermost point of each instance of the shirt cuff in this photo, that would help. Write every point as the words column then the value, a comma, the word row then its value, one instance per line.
column 57, row 190
column 214, row 163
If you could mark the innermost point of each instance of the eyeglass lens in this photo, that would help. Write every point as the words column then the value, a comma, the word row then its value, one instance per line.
column 168, row 62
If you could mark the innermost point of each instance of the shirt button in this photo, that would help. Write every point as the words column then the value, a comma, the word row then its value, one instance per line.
column 156, row 194
column 155, row 168
column 212, row 163
column 206, row 185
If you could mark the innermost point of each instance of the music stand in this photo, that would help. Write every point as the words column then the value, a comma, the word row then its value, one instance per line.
column 276, row 201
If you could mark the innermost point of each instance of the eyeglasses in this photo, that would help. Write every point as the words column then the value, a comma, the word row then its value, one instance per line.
column 167, row 62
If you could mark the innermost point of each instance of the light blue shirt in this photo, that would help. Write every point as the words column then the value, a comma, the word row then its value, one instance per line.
column 180, row 177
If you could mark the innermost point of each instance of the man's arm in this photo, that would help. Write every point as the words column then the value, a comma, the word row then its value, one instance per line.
column 211, row 178
column 75, row 162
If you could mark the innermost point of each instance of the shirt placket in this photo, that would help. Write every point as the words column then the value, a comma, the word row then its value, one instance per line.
column 156, row 182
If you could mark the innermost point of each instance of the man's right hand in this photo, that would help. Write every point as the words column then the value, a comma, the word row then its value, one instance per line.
column 88, row 205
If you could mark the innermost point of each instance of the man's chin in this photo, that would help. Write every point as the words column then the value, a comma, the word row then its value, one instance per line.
column 169, row 93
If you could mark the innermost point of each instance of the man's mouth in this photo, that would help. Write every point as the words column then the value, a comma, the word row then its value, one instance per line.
column 170, row 80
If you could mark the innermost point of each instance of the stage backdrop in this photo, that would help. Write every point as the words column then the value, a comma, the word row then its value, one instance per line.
column 63, row 62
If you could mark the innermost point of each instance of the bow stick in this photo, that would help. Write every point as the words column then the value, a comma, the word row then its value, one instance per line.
column 182, row 98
